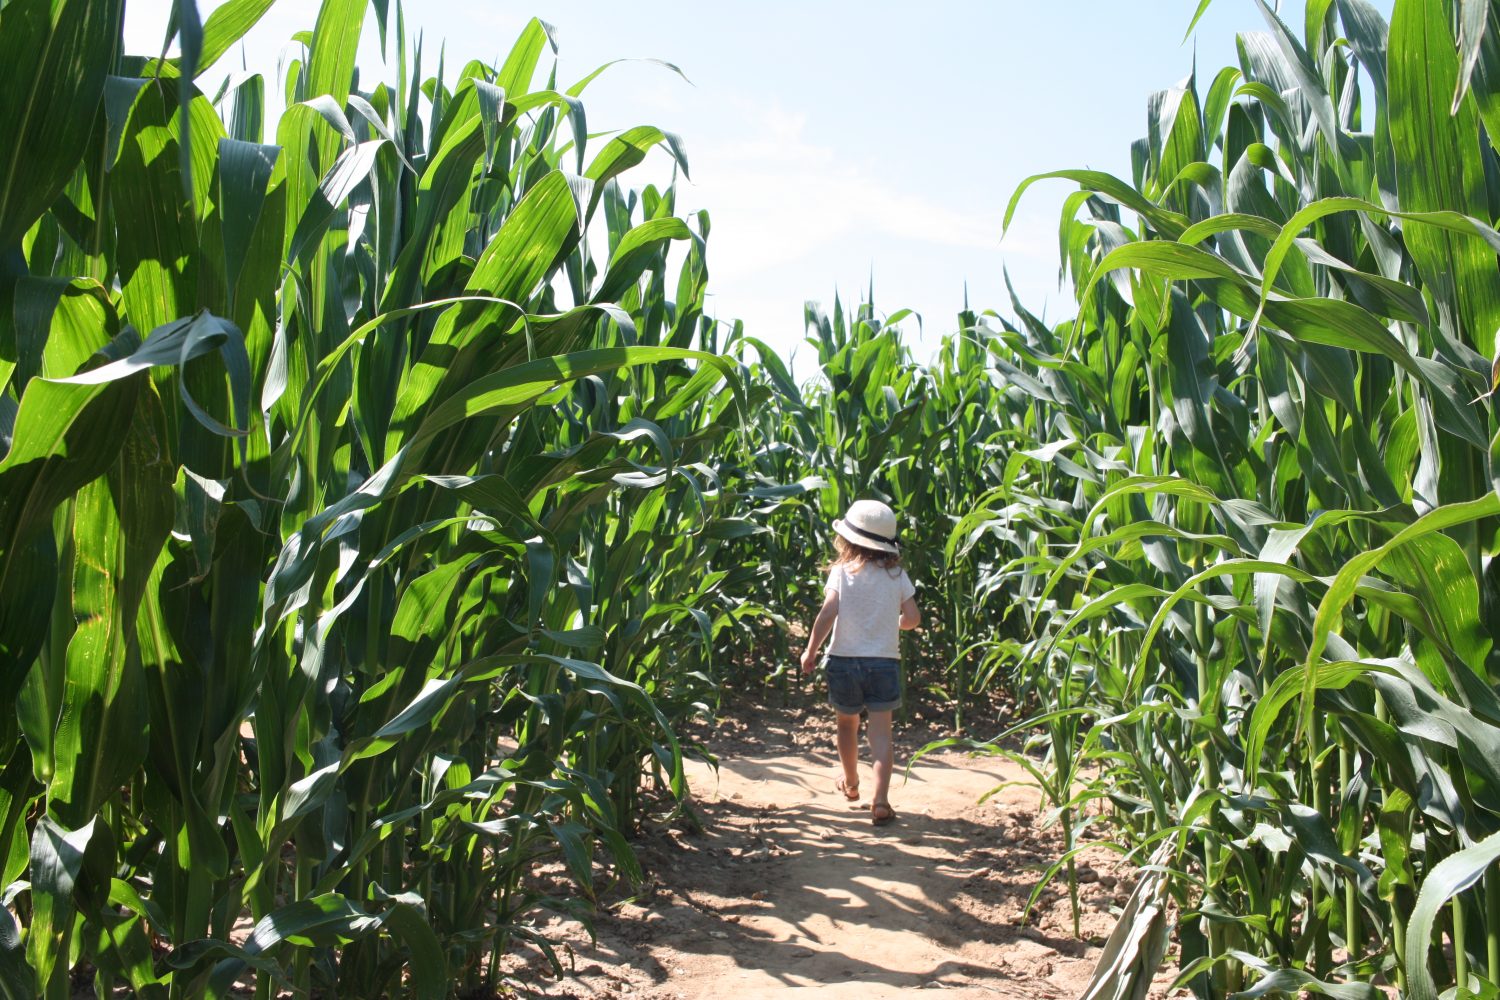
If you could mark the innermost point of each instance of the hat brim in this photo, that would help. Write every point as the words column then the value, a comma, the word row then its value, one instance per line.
column 854, row 538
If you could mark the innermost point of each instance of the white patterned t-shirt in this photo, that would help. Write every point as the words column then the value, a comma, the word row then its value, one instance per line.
column 869, row 618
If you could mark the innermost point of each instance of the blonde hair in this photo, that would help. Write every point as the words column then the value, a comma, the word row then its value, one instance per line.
column 855, row 556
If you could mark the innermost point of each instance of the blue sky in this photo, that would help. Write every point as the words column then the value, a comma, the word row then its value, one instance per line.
column 832, row 140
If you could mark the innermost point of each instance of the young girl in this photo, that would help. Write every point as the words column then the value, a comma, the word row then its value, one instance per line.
column 868, row 600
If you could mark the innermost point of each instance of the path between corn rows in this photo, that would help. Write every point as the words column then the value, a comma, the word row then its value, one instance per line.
column 789, row 892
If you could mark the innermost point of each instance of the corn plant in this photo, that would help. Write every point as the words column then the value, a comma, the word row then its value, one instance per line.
column 355, row 487
column 1258, row 505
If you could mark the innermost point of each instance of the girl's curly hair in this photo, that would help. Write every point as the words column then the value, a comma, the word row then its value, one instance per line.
column 855, row 556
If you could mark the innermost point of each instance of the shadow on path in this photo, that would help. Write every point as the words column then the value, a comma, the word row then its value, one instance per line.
column 788, row 886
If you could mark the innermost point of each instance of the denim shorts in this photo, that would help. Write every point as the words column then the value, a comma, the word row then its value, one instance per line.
column 871, row 683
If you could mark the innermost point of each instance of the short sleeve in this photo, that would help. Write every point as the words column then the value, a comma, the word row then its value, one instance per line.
column 832, row 586
column 908, row 589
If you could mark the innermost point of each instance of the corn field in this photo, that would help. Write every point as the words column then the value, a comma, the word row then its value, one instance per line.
column 336, row 571
column 1252, row 538
column 378, row 503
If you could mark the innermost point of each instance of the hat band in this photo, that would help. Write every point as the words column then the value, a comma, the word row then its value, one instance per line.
column 870, row 534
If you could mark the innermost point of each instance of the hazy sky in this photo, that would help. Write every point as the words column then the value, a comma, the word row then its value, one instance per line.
column 832, row 140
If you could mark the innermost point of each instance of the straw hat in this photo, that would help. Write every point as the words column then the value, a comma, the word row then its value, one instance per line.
column 869, row 524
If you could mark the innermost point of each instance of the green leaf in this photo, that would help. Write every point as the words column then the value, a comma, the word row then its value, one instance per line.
column 425, row 961
column 54, row 55
column 244, row 173
column 1169, row 224
column 330, row 66
column 627, row 150
column 1440, row 167
column 121, row 521
column 641, row 247
column 503, row 393
column 352, row 168
column 157, row 239
column 515, row 75
column 16, row 978
column 1296, row 982
column 1203, row 6
column 577, row 852
column 226, row 25
column 1341, row 591
column 1446, row 879
column 1473, row 20
column 57, row 862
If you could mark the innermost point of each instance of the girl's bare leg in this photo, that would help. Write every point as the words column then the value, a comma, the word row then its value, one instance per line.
column 848, row 742
column 882, row 753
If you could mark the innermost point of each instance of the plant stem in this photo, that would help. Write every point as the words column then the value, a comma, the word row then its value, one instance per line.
column 1352, row 941
column 1492, row 925
column 1460, row 943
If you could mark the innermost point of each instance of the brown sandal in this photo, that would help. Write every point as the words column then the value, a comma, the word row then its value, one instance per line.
column 881, row 813
column 851, row 792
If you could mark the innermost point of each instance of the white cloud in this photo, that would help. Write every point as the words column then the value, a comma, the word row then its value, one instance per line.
column 795, row 219
column 777, row 195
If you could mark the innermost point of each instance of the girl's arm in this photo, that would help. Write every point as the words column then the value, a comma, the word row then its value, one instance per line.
column 822, row 625
column 911, row 615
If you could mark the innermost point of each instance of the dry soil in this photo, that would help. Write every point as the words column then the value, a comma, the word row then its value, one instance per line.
column 789, row 891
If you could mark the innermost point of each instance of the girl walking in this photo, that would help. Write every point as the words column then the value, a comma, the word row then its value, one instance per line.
column 867, row 601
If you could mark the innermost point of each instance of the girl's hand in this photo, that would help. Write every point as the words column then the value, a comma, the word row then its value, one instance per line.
column 809, row 661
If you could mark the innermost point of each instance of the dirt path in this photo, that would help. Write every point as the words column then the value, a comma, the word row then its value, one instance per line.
column 788, row 891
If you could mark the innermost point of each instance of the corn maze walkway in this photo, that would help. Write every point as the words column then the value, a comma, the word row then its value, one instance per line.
column 789, row 892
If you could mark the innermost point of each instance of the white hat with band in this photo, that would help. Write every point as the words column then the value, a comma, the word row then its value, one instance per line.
column 869, row 524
